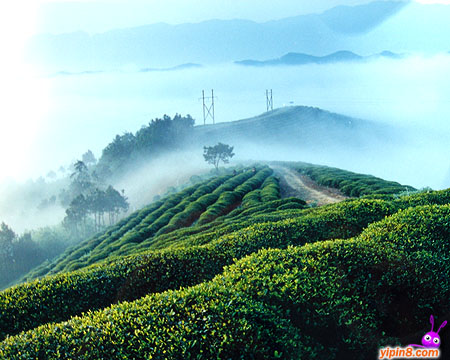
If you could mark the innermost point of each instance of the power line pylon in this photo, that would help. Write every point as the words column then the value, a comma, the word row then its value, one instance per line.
column 269, row 100
column 208, row 107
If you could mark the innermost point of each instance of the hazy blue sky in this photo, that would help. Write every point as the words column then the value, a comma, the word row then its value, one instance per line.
column 21, row 126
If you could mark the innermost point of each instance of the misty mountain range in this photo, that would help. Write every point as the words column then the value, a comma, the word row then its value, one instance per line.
column 303, row 59
column 288, row 59
column 365, row 29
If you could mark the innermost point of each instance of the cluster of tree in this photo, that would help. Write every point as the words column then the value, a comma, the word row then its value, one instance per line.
column 90, row 206
column 159, row 136
column 17, row 255
column 91, row 203
column 20, row 254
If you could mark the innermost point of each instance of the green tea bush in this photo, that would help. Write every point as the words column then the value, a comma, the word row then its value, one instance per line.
column 59, row 297
column 241, row 218
column 229, row 200
column 270, row 190
column 349, row 183
column 251, row 199
column 336, row 299
column 167, row 215
column 85, row 247
column 440, row 197
column 135, row 229
column 204, row 322
column 193, row 211
column 351, row 297
column 226, row 202
column 291, row 205
column 262, row 208
column 160, row 217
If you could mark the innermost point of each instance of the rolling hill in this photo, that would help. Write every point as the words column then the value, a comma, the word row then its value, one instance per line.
column 287, row 133
column 227, row 268
column 297, row 128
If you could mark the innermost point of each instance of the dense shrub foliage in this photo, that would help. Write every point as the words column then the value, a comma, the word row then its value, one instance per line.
column 227, row 269
column 231, row 199
column 350, row 297
column 59, row 297
column 270, row 191
column 329, row 300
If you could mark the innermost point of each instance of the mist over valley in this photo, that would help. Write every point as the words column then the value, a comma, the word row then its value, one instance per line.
column 399, row 130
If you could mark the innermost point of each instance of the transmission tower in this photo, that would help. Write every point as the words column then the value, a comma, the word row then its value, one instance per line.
column 208, row 107
column 269, row 100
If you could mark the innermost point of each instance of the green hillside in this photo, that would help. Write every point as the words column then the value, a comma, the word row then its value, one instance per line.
column 228, row 269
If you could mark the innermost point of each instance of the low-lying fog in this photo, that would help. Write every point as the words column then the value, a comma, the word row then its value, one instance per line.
column 86, row 111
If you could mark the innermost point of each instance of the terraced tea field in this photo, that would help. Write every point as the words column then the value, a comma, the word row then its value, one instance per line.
column 230, row 268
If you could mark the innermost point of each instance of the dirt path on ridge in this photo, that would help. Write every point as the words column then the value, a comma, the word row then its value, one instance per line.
column 301, row 186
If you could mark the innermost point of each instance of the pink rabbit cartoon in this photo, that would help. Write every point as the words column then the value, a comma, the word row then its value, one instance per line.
column 431, row 339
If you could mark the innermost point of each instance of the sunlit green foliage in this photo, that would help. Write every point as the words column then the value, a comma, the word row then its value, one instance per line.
column 129, row 278
column 329, row 300
column 251, row 276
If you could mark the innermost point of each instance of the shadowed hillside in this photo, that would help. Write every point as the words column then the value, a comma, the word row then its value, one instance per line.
column 298, row 128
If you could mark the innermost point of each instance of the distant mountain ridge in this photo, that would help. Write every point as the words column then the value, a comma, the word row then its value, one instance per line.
column 303, row 59
column 369, row 28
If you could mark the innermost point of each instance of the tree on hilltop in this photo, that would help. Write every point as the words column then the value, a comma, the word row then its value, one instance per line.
column 220, row 152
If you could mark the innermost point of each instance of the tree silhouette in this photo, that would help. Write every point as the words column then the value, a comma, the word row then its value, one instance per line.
column 158, row 137
column 76, row 214
column 220, row 152
column 115, row 203
column 81, row 179
column 18, row 254
column 7, row 236
column 89, row 158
